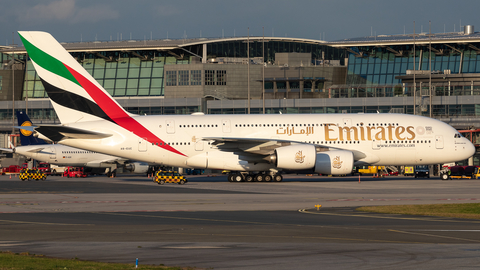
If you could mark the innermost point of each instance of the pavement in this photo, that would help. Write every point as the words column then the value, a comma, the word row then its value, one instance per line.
column 211, row 223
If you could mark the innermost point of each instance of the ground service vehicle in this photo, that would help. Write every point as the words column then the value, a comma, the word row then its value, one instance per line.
column 44, row 167
column 74, row 172
column 408, row 171
column 367, row 170
column 32, row 174
column 422, row 171
column 461, row 172
column 57, row 170
column 12, row 169
column 162, row 177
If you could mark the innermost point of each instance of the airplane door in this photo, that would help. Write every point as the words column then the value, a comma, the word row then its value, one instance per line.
column 439, row 142
column 142, row 145
column 199, row 145
column 53, row 152
column 170, row 126
column 226, row 126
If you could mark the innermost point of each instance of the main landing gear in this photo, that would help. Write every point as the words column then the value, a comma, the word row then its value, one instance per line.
column 259, row 177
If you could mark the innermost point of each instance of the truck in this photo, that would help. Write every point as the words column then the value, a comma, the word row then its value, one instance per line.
column 56, row 170
column 44, row 167
column 74, row 172
column 12, row 169
column 422, row 171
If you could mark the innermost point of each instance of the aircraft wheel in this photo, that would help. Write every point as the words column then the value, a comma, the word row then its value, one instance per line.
column 268, row 178
column 249, row 178
column 278, row 178
column 444, row 176
column 230, row 177
column 259, row 177
column 237, row 177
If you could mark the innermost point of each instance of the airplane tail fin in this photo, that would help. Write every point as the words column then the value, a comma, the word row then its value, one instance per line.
column 76, row 96
column 26, row 136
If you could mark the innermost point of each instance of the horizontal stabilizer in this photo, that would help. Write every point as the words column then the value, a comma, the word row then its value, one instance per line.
column 28, row 128
column 57, row 133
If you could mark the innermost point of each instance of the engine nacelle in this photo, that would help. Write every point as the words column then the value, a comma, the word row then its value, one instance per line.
column 295, row 157
column 137, row 167
column 335, row 162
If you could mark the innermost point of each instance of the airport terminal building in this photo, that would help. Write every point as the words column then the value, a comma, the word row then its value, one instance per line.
column 436, row 75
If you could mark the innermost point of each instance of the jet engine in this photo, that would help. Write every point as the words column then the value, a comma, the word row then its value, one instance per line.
column 137, row 167
column 305, row 157
column 295, row 157
column 334, row 162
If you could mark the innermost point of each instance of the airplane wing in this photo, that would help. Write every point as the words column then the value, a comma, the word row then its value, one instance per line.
column 8, row 150
column 57, row 133
column 97, row 163
column 266, row 146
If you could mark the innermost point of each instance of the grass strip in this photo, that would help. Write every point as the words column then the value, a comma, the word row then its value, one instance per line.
column 24, row 261
column 464, row 210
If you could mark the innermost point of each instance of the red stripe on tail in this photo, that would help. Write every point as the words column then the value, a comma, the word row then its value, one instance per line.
column 117, row 114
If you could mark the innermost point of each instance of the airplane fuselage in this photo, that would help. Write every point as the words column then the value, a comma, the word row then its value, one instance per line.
column 63, row 155
column 375, row 139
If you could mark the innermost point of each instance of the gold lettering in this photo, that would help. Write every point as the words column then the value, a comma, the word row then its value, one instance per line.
column 390, row 133
column 362, row 133
column 327, row 132
column 348, row 131
column 398, row 132
column 410, row 131
column 369, row 133
column 381, row 133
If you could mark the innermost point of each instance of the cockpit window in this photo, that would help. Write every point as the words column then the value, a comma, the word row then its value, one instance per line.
column 457, row 135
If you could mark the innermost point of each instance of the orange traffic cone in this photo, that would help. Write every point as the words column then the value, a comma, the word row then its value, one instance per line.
column 10, row 176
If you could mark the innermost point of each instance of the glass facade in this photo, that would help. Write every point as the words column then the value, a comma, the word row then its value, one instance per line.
column 374, row 65
column 121, row 74
column 239, row 49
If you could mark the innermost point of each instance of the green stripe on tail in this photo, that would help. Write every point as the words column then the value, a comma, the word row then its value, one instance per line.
column 47, row 62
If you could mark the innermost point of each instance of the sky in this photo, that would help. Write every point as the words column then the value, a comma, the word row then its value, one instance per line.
column 329, row 20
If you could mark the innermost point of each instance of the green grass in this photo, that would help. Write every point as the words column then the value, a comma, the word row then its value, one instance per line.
column 26, row 261
column 464, row 210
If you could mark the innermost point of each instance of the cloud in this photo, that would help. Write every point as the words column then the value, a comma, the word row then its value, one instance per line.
column 67, row 11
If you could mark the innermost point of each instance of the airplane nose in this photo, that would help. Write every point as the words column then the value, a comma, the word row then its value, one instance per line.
column 469, row 149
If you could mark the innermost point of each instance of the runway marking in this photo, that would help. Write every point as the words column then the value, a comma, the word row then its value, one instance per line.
column 291, row 237
column 37, row 202
column 428, row 218
column 200, row 219
column 437, row 236
column 11, row 243
column 42, row 223
column 194, row 247
column 259, row 223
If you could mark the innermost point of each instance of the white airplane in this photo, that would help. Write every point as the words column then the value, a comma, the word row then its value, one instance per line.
column 63, row 155
column 254, row 147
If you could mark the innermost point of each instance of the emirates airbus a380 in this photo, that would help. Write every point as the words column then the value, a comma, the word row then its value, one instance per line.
column 256, row 147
